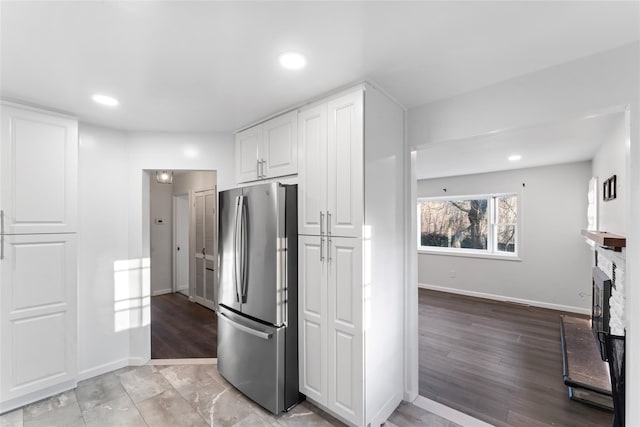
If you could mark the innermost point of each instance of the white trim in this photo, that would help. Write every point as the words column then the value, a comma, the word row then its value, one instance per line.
column 468, row 253
column 161, row 292
column 194, row 361
column 102, row 369
column 503, row 298
column 448, row 413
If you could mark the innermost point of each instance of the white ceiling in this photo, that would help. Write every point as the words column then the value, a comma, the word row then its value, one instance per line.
column 548, row 144
column 212, row 66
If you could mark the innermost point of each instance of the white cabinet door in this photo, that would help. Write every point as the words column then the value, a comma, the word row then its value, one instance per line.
column 312, row 178
column 38, row 168
column 345, row 202
column 280, row 146
column 345, row 329
column 38, row 326
column 248, row 146
column 312, row 318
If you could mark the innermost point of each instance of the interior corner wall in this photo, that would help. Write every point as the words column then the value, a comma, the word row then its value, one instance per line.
column 554, row 270
column 161, row 237
column 103, row 337
column 610, row 160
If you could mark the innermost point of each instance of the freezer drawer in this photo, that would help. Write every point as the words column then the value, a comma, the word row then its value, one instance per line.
column 251, row 356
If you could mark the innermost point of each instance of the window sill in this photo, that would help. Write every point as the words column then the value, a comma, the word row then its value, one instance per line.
column 471, row 255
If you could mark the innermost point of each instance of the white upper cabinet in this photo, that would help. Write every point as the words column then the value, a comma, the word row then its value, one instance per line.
column 268, row 150
column 312, row 178
column 331, row 157
column 248, row 148
column 38, row 167
column 280, row 146
column 345, row 203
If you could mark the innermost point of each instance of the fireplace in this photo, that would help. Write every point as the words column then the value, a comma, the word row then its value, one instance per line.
column 601, row 309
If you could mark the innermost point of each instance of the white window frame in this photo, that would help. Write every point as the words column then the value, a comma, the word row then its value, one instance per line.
column 492, row 228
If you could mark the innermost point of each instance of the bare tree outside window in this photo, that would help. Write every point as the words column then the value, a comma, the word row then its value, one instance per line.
column 483, row 223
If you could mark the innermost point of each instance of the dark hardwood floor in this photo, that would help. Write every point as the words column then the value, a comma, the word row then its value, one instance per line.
column 496, row 361
column 181, row 328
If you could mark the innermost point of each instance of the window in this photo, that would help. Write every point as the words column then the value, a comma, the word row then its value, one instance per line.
column 470, row 224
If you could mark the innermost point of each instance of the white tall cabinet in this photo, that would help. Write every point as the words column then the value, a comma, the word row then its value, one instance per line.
column 38, row 220
column 351, row 222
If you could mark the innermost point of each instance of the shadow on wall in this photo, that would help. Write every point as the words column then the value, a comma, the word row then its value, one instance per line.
column 131, row 296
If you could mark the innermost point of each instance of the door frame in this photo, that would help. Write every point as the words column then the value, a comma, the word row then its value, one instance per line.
column 174, row 258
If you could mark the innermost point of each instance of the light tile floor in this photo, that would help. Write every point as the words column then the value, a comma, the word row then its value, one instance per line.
column 177, row 395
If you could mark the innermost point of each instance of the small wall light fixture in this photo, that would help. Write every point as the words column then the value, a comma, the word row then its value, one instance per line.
column 164, row 177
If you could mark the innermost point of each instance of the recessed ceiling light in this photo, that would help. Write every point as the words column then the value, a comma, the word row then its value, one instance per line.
column 293, row 60
column 105, row 100
column 514, row 157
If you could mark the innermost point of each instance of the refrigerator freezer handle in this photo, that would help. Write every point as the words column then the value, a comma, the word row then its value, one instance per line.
column 236, row 232
column 259, row 334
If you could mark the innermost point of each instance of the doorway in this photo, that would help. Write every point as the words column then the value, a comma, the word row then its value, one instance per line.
column 183, row 241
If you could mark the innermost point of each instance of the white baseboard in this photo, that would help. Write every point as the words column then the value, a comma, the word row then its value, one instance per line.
column 161, row 292
column 387, row 409
column 102, row 369
column 448, row 413
column 138, row 361
column 559, row 307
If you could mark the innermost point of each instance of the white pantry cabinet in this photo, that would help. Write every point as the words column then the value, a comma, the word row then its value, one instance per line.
column 38, row 255
column 351, row 252
column 268, row 150
column 330, row 176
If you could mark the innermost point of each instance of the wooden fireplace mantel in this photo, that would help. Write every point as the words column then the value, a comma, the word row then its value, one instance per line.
column 609, row 240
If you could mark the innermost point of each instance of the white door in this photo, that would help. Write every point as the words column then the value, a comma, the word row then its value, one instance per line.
column 38, row 326
column 280, row 146
column 248, row 146
column 205, row 248
column 345, row 199
column 312, row 322
column 345, row 328
column 181, row 243
column 38, row 158
column 312, row 176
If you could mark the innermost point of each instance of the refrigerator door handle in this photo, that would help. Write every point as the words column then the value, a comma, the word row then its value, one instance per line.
column 236, row 242
column 259, row 334
column 244, row 248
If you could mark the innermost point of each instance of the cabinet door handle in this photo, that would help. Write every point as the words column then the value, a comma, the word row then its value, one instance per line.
column 329, row 248
column 321, row 249
column 258, row 169
column 321, row 223
column 329, row 224
column 263, row 175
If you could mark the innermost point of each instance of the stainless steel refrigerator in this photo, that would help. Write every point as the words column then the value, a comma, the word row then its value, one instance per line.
column 258, row 293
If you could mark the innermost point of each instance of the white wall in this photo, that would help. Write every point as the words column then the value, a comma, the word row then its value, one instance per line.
column 153, row 151
column 604, row 82
column 610, row 160
column 114, row 234
column 103, row 340
column 555, row 264
column 161, row 237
